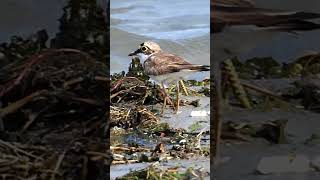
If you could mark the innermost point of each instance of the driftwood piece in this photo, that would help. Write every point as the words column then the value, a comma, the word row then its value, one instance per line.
column 18, row 104
column 261, row 90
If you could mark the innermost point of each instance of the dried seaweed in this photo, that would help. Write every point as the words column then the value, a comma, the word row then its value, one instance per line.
column 53, row 101
column 58, row 95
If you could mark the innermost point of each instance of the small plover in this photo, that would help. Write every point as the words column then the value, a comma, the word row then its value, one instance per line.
column 165, row 68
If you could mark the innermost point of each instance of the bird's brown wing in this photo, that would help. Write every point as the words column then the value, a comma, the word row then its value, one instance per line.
column 163, row 63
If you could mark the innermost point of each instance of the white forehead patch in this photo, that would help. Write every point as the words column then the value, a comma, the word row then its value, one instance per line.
column 152, row 45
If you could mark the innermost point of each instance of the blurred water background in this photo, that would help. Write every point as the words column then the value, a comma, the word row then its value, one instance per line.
column 180, row 27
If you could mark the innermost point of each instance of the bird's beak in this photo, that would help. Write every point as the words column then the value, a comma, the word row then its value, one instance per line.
column 135, row 52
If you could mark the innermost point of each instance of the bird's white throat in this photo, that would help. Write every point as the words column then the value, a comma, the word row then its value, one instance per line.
column 143, row 57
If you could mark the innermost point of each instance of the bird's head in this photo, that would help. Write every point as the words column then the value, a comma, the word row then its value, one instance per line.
column 146, row 48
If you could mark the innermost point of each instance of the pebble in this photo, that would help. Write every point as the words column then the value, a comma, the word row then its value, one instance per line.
column 198, row 113
column 315, row 163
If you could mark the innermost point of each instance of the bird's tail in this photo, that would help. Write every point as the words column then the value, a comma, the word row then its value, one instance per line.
column 200, row 68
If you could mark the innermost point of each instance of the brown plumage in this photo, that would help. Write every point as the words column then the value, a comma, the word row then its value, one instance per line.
column 163, row 63
column 158, row 62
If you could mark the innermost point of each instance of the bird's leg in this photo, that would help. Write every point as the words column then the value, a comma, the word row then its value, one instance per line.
column 164, row 104
column 177, row 98
column 166, row 98
column 166, row 95
column 184, row 88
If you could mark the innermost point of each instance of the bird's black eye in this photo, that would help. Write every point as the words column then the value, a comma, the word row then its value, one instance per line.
column 143, row 48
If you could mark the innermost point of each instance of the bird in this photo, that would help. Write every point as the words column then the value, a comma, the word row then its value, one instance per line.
column 165, row 68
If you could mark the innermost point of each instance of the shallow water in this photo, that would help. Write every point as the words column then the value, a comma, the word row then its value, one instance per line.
column 203, row 163
column 162, row 19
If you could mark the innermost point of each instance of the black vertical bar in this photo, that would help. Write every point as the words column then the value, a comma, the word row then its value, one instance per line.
column 107, row 13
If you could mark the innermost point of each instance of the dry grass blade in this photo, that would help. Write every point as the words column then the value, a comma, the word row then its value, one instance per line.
column 58, row 164
column 131, row 149
column 14, row 148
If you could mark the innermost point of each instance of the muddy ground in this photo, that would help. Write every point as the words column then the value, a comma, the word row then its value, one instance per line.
column 53, row 99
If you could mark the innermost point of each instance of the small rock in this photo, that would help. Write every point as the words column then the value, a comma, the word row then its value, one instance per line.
column 2, row 56
column 315, row 163
column 274, row 131
column 313, row 140
column 283, row 164
column 198, row 113
column 183, row 142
